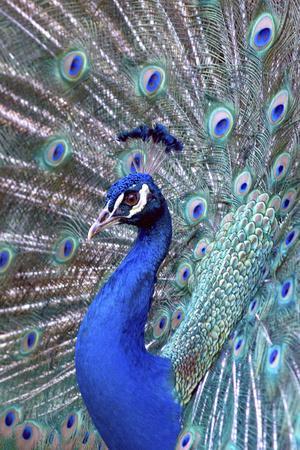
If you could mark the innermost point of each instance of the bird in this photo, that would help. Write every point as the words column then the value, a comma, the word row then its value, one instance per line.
column 150, row 220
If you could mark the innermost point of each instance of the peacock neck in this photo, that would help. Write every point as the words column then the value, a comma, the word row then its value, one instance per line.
column 152, row 243
column 124, row 387
column 136, row 276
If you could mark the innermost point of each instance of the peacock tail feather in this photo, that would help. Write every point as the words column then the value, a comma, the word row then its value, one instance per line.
column 224, row 77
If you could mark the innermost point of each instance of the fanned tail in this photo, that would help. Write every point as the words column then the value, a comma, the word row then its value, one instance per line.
column 223, row 77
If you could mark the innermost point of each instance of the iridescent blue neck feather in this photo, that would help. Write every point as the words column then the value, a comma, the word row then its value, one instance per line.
column 128, row 392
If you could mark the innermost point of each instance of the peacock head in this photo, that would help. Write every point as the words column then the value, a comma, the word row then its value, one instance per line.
column 134, row 199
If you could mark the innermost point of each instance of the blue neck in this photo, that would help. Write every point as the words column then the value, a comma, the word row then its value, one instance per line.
column 127, row 391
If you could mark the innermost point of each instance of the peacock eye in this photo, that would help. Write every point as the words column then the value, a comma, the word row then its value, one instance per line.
column 220, row 123
column 152, row 81
column 281, row 166
column 9, row 418
column 6, row 258
column 56, row 153
column 278, row 107
column 290, row 238
column 243, row 183
column 131, row 198
column 30, row 342
column 275, row 358
column 263, row 32
column 286, row 291
column 29, row 434
column 288, row 200
column 74, row 65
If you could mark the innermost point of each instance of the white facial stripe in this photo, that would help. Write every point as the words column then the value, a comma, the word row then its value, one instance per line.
column 142, row 202
column 118, row 203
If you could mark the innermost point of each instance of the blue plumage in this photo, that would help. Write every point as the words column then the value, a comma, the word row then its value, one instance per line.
column 127, row 391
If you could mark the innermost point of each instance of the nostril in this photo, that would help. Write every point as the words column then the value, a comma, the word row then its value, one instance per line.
column 103, row 217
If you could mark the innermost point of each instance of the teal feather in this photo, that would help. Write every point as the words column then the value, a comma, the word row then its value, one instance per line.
column 224, row 78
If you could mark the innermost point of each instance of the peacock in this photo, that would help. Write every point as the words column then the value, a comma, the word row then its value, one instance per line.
column 150, row 220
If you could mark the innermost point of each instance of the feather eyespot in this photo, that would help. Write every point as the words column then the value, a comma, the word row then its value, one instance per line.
column 74, row 66
column 55, row 153
column 183, row 274
column 131, row 198
column 278, row 107
column 220, row 123
column 29, row 435
column 263, row 33
column 274, row 359
column 152, row 81
column 238, row 346
column 188, row 439
column 6, row 259
column 70, row 421
column 290, row 239
column 273, row 356
column 131, row 161
column 253, row 307
column 281, row 166
column 195, row 209
column 161, row 326
column 288, row 201
column 177, row 318
column 201, row 249
column 65, row 249
column 243, row 183
column 58, row 152
column 27, row 432
column 9, row 418
column 30, row 342
column 286, row 291
column 70, row 425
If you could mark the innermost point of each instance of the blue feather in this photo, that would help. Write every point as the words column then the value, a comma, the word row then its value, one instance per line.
column 110, row 350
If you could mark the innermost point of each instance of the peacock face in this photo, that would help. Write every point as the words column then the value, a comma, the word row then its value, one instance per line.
column 134, row 199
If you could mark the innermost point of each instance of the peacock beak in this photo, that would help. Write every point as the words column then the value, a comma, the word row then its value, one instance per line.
column 105, row 220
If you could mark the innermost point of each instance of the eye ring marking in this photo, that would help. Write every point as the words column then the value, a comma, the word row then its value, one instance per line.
column 131, row 198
